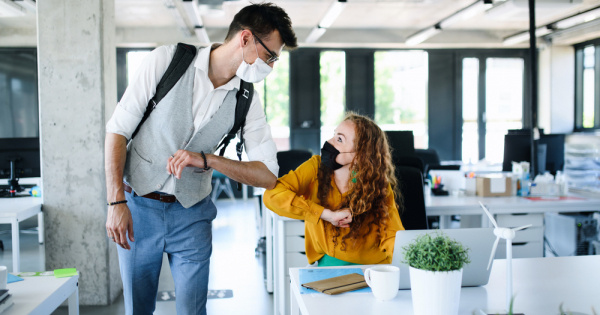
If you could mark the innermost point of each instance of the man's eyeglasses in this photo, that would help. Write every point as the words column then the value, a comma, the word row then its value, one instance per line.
column 273, row 57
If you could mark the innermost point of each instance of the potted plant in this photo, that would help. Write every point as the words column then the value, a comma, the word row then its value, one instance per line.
column 435, row 267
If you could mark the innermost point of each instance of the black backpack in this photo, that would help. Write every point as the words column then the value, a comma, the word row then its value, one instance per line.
column 184, row 55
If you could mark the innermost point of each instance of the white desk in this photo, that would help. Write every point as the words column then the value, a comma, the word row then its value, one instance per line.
column 15, row 210
column 446, row 206
column 540, row 285
column 44, row 294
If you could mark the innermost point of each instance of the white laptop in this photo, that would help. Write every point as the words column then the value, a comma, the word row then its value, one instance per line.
column 478, row 240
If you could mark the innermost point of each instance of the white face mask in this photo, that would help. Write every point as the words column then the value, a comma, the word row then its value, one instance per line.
column 255, row 72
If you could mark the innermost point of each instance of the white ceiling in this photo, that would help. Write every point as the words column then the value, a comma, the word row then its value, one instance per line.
column 372, row 23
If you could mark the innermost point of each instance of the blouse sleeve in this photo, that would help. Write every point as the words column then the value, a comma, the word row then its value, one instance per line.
column 289, row 198
column 394, row 224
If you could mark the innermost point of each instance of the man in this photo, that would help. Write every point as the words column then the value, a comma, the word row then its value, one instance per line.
column 164, row 204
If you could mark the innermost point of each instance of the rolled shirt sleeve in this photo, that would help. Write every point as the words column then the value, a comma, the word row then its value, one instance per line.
column 142, row 87
column 258, row 138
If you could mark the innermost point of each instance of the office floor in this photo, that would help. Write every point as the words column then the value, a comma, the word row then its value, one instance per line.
column 234, row 265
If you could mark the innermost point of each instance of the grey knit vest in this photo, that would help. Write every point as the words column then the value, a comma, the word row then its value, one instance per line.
column 169, row 128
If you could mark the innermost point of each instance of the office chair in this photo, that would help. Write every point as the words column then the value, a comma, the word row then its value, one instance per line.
column 221, row 184
column 431, row 161
column 410, row 185
column 290, row 160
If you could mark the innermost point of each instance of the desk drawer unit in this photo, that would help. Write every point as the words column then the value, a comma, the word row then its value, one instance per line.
column 529, row 242
column 291, row 253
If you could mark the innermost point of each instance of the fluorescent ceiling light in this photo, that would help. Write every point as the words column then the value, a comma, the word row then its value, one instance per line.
column 521, row 37
column 169, row 4
column 422, row 35
column 315, row 34
column 578, row 19
column 466, row 13
column 10, row 8
column 332, row 13
column 202, row 35
column 28, row 4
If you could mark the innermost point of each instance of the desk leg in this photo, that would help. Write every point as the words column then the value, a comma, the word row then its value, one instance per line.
column 15, row 244
column 445, row 221
column 41, row 227
column 294, row 308
column 74, row 301
column 245, row 192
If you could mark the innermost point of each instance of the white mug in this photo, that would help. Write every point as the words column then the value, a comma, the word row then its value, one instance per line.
column 3, row 277
column 384, row 281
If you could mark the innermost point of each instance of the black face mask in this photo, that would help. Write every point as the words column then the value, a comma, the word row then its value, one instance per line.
column 328, row 155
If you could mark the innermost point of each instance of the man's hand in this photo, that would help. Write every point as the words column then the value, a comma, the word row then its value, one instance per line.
column 118, row 224
column 181, row 159
column 339, row 218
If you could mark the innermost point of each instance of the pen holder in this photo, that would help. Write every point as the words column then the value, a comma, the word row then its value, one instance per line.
column 439, row 190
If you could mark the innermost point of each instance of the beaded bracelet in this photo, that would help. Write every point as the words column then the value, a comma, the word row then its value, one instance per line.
column 206, row 168
column 115, row 202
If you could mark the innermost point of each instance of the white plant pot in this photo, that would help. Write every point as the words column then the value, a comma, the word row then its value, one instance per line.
column 435, row 292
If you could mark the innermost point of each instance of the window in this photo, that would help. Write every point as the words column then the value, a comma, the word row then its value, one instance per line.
column 401, row 79
column 470, row 110
column 333, row 91
column 588, row 86
column 275, row 96
column 587, row 91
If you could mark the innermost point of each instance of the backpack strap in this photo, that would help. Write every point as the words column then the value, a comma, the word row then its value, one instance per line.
column 184, row 55
column 244, row 99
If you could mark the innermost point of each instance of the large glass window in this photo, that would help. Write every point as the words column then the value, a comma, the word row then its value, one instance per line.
column 275, row 96
column 470, row 110
column 401, row 79
column 503, row 103
column 588, row 86
column 484, row 125
column 333, row 91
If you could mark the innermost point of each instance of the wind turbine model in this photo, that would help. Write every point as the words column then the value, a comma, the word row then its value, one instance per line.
column 508, row 234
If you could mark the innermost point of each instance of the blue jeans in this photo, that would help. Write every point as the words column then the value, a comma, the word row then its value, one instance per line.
column 185, row 235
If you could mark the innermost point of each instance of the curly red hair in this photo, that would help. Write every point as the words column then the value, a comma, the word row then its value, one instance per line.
column 372, row 175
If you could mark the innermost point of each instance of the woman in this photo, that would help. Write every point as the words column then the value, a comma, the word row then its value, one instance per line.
column 345, row 197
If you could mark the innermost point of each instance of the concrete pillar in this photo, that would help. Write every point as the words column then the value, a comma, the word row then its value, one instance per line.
column 77, row 88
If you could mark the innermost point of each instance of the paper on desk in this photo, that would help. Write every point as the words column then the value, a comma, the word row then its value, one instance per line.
column 12, row 278
column 316, row 274
column 66, row 272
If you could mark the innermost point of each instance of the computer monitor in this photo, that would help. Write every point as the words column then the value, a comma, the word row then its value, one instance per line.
column 550, row 151
column 402, row 142
column 517, row 148
column 19, row 158
column 555, row 152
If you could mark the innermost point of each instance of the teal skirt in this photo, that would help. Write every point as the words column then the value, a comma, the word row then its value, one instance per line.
column 327, row 260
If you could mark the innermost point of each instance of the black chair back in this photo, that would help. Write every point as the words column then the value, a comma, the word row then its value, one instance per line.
column 290, row 160
column 410, row 185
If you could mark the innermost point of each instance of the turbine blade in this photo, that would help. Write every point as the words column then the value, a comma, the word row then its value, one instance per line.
column 488, row 214
column 522, row 227
column 493, row 252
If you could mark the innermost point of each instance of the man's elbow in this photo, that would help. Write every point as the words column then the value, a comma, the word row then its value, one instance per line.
column 271, row 183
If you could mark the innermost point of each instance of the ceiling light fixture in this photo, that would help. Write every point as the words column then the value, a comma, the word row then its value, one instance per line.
column 170, row 4
column 466, row 13
column 193, row 13
column 523, row 36
column 27, row 4
column 330, row 16
column 9, row 8
column 422, row 35
column 580, row 18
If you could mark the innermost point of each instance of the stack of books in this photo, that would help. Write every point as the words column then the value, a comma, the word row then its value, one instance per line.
column 5, row 300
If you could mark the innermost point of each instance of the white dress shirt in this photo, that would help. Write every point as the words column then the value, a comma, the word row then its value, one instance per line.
column 206, row 101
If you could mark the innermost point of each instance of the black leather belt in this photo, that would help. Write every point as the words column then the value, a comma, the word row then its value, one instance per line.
column 155, row 196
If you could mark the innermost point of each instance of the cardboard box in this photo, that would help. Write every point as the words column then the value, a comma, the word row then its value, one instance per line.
column 494, row 186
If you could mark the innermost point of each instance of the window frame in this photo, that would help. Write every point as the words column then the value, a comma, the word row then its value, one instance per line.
column 579, row 71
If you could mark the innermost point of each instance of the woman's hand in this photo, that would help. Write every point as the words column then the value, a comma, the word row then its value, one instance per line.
column 339, row 218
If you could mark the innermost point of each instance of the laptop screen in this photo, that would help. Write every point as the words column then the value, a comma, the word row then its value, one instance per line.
column 478, row 240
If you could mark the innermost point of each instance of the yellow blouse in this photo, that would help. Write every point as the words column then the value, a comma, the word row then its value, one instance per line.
column 295, row 196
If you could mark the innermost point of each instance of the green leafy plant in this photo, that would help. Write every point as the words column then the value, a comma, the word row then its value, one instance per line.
column 436, row 253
